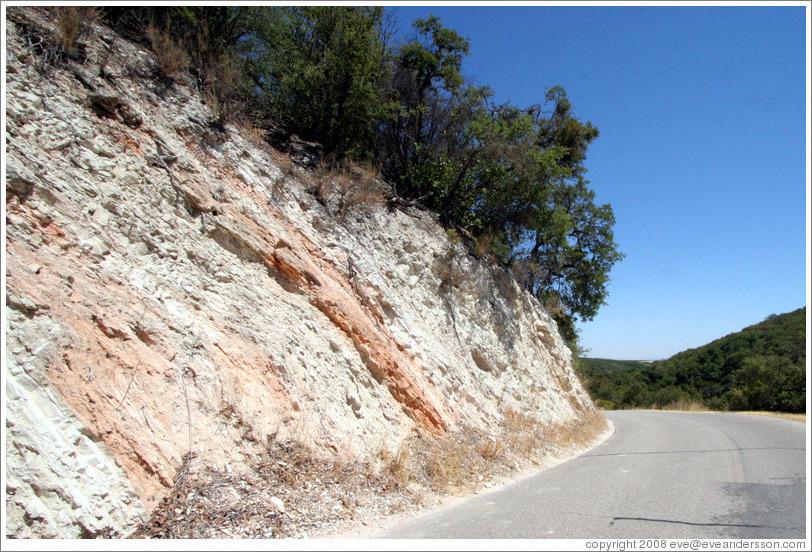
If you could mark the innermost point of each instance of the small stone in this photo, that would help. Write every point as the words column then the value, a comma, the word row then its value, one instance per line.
column 278, row 504
column 19, row 179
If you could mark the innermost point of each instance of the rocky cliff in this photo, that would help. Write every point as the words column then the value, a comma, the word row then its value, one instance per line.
column 180, row 294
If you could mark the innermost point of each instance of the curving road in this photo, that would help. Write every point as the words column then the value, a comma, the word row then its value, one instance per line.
column 662, row 474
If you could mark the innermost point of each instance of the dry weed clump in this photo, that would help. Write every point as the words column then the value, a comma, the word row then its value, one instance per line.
column 282, row 160
column 224, row 81
column 484, row 245
column 254, row 134
column 785, row 415
column 449, row 464
column 285, row 164
column 491, row 449
column 349, row 186
column 396, row 467
column 686, row 405
column 437, row 464
column 524, row 435
column 170, row 54
column 74, row 24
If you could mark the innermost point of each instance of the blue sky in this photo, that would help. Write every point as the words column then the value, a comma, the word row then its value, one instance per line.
column 702, row 153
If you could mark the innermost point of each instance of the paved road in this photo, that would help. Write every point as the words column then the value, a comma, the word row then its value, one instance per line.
column 662, row 474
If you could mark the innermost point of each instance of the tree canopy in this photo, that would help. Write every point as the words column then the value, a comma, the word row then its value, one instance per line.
column 511, row 176
column 323, row 70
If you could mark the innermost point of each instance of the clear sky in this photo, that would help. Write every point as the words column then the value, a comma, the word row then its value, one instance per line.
column 702, row 152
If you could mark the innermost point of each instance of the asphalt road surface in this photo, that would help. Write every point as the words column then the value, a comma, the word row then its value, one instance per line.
column 661, row 475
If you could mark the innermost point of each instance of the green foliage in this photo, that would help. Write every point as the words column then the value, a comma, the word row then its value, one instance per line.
column 425, row 80
column 613, row 366
column 323, row 69
column 569, row 247
column 439, row 59
column 762, row 367
column 514, row 175
column 768, row 383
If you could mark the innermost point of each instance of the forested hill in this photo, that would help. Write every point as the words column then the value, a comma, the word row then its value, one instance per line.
column 762, row 367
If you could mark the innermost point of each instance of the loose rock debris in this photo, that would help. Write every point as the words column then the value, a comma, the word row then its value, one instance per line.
column 290, row 494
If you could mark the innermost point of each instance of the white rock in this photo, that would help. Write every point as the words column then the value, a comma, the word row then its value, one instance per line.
column 277, row 503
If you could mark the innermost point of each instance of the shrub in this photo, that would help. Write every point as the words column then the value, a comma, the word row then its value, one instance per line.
column 348, row 186
column 397, row 466
column 324, row 68
column 74, row 24
column 171, row 55
column 484, row 245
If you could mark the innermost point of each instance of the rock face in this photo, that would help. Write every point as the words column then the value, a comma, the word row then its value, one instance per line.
column 176, row 288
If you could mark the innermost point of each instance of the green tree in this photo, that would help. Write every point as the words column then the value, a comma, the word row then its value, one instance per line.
column 569, row 248
column 563, row 130
column 323, row 70
column 425, row 83
column 512, row 176
column 768, row 383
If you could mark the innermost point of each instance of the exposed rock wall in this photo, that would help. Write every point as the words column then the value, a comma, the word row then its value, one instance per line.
column 175, row 289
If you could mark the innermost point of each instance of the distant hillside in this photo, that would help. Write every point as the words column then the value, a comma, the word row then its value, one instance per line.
column 614, row 366
column 762, row 367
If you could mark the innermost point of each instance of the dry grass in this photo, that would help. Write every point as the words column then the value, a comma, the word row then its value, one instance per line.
column 523, row 434
column 396, row 466
column 483, row 246
column 695, row 406
column 292, row 492
column 170, row 54
column 255, row 135
column 461, row 461
column 491, row 449
column 349, row 186
column 74, row 24
column 785, row 415
column 281, row 159
column 285, row 163
column 224, row 80
column 685, row 405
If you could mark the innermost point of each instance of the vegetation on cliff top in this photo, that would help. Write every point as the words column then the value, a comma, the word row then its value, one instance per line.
column 510, row 179
column 762, row 367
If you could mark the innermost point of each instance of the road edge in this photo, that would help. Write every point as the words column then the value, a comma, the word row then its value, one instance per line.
column 390, row 522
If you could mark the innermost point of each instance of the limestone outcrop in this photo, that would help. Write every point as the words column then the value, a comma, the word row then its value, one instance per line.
column 176, row 290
